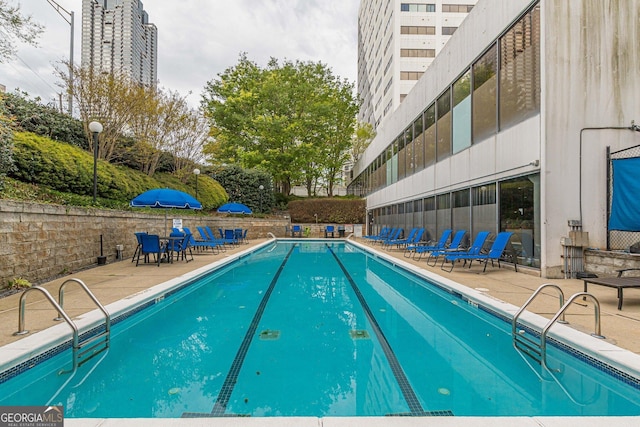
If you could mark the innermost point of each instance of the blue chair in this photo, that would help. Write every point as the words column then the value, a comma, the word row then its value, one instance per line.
column 178, row 245
column 393, row 234
column 296, row 229
column 456, row 243
column 193, row 242
column 139, row 245
column 383, row 234
column 411, row 250
column 230, row 237
column 415, row 235
column 223, row 240
column 495, row 253
column 329, row 229
column 475, row 248
column 151, row 245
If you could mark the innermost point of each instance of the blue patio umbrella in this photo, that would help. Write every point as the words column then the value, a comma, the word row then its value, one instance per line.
column 235, row 208
column 165, row 198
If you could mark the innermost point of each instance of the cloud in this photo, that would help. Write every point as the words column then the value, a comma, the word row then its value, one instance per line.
column 198, row 39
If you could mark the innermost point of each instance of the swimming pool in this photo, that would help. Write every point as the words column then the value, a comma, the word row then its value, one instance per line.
column 319, row 329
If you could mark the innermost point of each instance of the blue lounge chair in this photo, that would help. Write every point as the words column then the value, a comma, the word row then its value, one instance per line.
column 456, row 243
column 202, row 243
column 495, row 253
column 410, row 250
column 296, row 229
column 474, row 249
column 415, row 235
column 394, row 233
column 221, row 241
column 383, row 234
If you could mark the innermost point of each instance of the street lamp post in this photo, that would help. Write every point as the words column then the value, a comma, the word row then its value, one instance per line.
column 95, row 128
column 69, row 17
column 261, row 188
column 196, row 172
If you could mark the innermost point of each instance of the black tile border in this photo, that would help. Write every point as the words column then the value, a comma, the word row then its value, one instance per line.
column 588, row 359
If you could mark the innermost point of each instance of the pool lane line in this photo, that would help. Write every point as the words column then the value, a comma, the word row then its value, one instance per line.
column 222, row 401
column 410, row 396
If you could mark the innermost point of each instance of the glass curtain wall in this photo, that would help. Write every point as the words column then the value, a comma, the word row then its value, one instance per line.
column 461, row 212
column 462, row 113
column 429, row 218
column 418, row 144
column 520, row 70
column 519, row 213
column 443, row 213
column 430, row 135
column 485, row 101
column 484, row 212
column 443, row 127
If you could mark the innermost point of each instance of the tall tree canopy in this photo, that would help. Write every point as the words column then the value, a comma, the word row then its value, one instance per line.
column 294, row 120
column 15, row 27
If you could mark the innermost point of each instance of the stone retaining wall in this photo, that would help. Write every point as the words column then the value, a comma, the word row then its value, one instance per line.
column 606, row 263
column 39, row 241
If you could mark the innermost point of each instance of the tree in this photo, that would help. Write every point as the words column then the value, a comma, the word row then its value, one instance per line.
column 6, row 143
column 293, row 120
column 15, row 27
column 32, row 116
column 362, row 137
column 243, row 186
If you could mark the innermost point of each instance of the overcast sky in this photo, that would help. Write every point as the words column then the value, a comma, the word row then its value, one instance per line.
column 197, row 39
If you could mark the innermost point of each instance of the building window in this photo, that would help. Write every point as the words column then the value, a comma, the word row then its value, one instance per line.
column 462, row 113
column 483, row 208
column 430, row 135
column 410, row 75
column 485, row 83
column 443, row 126
column 422, row 30
column 520, row 70
column 418, row 143
column 519, row 213
column 417, row 53
column 457, row 8
column 448, row 31
column 416, row 7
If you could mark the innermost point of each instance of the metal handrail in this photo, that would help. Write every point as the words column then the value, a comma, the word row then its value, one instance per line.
column 93, row 298
column 21, row 310
column 545, row 330
column 531, row 298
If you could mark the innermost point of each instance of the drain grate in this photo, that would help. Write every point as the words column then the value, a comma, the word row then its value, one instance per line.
column 268, row 334
column 359, row 334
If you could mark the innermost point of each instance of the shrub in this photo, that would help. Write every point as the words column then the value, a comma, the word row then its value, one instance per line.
column 328, row 210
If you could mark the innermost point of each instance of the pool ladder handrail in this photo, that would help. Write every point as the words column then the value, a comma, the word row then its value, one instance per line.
column 21, row 323
column 523, row 343
column 538, row 350
column 62, row 315
column 106, row 334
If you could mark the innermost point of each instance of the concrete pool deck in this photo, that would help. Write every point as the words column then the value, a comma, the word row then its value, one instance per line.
column 119, row 280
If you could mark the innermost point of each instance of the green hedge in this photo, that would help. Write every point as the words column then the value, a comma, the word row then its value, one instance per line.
column 329, row 210
column 66, row 168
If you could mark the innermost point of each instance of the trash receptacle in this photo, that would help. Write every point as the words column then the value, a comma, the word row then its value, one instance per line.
column 341, row 231
column 119, row 250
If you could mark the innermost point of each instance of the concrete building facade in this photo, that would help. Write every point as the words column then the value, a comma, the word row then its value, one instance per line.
column 117, row 37
column 513, row 127
column 397, row 41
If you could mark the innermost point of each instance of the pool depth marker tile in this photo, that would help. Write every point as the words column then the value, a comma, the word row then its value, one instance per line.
column 407, row 391
column 229, row 383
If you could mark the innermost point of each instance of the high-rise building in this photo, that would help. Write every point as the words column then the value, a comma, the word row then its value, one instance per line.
column 397, row 41
column 117, row 37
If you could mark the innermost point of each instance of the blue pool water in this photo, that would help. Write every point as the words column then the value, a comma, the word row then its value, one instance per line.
column 317, row 329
